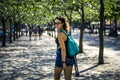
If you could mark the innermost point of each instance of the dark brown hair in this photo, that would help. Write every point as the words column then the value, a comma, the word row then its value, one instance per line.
column 66, row 25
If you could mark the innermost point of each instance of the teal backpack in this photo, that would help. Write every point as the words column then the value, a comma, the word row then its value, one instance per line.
column 72, row 46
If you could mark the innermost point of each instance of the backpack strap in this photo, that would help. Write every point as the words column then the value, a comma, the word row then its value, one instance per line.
column 67, row 34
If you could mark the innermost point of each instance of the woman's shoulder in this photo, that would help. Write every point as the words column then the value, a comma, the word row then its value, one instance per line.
column 62, row 35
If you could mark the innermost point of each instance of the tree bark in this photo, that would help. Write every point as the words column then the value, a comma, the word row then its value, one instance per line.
column 14, row 37
column 4, row 32
column 81, row 30
column 116, row 23
column 101, row 44
column 10, row 30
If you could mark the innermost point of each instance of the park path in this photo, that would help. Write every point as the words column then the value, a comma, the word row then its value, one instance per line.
column 27, row 59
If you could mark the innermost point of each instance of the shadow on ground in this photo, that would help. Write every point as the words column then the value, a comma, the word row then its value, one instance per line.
column 109, row 42
column 107, row 75
column 27, row 60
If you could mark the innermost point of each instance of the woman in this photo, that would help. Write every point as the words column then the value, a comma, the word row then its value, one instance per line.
column 63, row 61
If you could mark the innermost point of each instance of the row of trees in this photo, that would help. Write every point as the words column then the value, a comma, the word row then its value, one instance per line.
column 43, row 12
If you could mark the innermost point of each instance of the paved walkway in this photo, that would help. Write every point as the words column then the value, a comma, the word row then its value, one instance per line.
column 27, row 59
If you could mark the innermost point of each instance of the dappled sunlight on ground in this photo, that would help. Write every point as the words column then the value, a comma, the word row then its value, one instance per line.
column 27, row 59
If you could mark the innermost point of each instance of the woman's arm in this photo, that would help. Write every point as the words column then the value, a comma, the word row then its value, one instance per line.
column 61, row 39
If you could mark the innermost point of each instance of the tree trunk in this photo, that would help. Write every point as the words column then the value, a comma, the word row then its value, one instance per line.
column 81, row 31
column 14, row 38
column 116, row 23
column 10, row 31
column 17, row 28
column 4, row 32
column 110, row 23
column 101, row 49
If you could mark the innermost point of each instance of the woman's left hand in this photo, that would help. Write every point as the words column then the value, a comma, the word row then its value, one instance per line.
column 64, row 66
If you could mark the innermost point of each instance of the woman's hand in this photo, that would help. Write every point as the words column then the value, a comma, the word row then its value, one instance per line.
column 64, row 66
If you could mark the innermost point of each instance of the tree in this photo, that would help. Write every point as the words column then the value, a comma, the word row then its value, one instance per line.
column 4, row 16
column 112, row 11
column 80, row 9
column 101, row 44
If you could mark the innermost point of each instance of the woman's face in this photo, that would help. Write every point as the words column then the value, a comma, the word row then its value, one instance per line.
column 58, row 24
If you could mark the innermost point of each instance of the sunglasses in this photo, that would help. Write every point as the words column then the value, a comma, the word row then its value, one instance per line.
column 57, row 23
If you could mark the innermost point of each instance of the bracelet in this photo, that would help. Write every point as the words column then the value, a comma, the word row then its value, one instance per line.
column 63, row 61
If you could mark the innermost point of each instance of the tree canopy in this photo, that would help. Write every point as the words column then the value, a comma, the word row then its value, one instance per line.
column 43, row 11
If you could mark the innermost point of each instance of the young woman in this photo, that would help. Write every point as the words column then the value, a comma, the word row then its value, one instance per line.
column 63, row 61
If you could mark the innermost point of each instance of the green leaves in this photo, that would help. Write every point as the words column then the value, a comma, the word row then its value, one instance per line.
column 35, row 11
column 112, row 7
